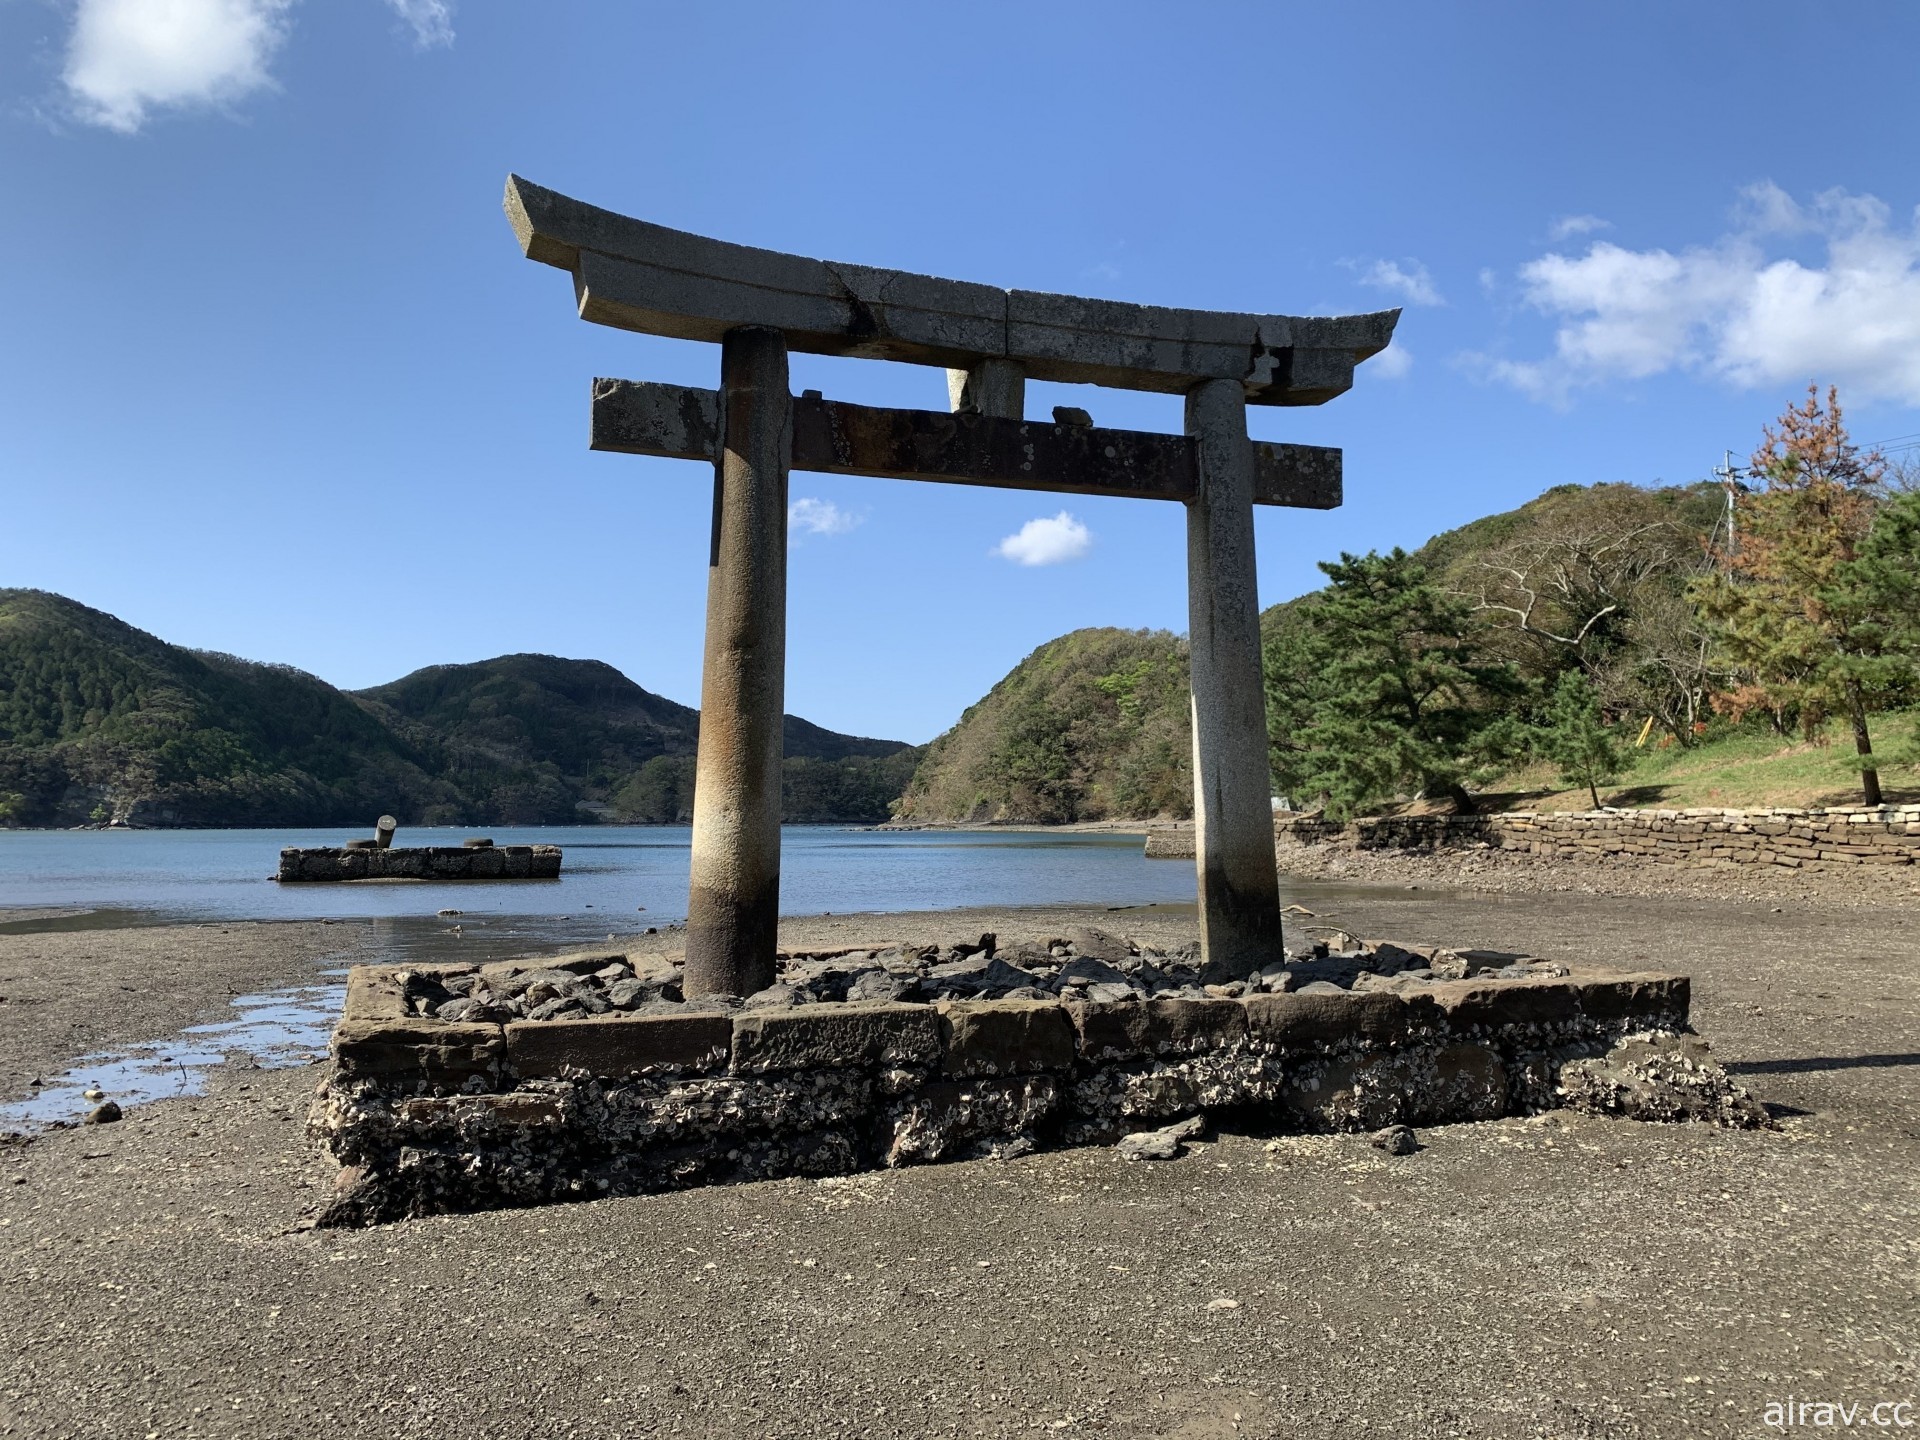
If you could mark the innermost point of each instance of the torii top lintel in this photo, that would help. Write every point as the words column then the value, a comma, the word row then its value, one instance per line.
column 639, row 276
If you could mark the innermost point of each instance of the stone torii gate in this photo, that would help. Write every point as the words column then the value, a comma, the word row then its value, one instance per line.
column 760, row 304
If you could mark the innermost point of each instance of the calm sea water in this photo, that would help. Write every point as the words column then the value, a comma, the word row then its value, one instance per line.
column 616, row 881
column 627, row 875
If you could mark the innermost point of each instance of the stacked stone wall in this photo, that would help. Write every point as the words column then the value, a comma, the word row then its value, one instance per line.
column 1812, row 839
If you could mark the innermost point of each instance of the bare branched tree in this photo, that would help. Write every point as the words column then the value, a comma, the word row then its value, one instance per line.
column 1595, row 580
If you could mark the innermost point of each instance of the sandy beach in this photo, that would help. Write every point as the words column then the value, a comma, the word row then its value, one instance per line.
column 1552, row 1276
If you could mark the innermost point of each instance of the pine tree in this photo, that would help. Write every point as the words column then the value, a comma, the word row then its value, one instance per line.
column 1576, row 737
column 1882, row 584
column 1786, row 596
column 1380, row 689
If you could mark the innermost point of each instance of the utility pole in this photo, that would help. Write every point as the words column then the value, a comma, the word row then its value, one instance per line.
column 1730, row 476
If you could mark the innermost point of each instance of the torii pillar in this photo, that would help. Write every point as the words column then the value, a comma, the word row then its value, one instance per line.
column 1232, row 785
column 733, row 901
column 758, row 304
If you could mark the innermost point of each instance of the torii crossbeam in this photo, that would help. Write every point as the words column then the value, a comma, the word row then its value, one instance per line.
column 759, row 305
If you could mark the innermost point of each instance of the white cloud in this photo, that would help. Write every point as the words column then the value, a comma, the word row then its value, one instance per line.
column 820, row 517
column 1568, row 226
column 1411, row 283
column 1050, row 540
column 432, row 21
column 128, row 57
column 1392, row 363
column 1732, row 311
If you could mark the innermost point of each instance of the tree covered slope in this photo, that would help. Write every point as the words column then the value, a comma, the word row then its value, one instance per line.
column 101, row 721
column 1092, row 726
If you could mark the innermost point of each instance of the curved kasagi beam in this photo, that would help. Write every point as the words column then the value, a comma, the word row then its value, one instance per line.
column 637, row 276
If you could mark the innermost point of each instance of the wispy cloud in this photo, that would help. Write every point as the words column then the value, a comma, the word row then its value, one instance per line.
column 820, row 517
column 127, row 58
column 1733, row 310
column 1410, row 282
column 1392, row 363
column 432, row 21
column 1568, row 226
column 1049, row 540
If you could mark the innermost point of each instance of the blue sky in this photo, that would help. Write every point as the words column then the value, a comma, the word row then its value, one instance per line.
column 275, row 380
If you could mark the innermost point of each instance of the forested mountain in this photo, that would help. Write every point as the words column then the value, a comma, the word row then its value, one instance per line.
column 1405, row 675
column 96, row 716
column 1095, row 725
column 1091, row 726
column 101, row 721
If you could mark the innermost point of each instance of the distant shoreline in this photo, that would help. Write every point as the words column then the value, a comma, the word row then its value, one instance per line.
column 1076, row 827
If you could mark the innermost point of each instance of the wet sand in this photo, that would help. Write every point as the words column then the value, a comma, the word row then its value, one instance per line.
column 1557, row 1276
column 72, row 992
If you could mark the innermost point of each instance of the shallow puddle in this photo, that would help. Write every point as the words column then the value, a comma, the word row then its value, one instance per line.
column 276, row 1029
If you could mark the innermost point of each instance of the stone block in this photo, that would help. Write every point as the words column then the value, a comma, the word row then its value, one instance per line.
column 829, row 1036
column 1291, row 1021
column 1125, row 1030
column 407, row 1051
column 1492, row 1004
column 374, row 994
column 612, row 1046
column 1634, row 997
column 1005, row 1037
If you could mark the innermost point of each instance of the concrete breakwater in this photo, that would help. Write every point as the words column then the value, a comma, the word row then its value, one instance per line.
column 1816, row 839
column 422, row 862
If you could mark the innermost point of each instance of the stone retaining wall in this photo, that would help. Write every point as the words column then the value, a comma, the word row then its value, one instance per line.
column 423, row 862
column 430, row 1115
column 1794, row 839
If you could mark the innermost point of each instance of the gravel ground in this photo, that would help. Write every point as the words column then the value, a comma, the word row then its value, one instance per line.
column 1559, row 1276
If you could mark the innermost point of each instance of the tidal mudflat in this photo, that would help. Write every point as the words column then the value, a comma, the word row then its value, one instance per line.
column 1559, row 1275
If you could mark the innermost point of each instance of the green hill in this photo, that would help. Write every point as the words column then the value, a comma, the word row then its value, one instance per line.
column 1092, row 726
column 1095, row 725
column 99, row 720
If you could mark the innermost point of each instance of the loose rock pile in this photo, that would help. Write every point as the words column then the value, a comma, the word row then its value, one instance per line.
column 1085, row 964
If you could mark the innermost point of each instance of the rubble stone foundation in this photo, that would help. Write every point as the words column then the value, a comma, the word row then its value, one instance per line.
column 429, row 1114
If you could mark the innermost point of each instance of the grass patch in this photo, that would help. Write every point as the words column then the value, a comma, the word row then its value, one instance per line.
column 1748, row 769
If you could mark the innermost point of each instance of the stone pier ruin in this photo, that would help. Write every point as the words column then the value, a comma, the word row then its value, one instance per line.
column 758, row 305
column 574, row 1077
